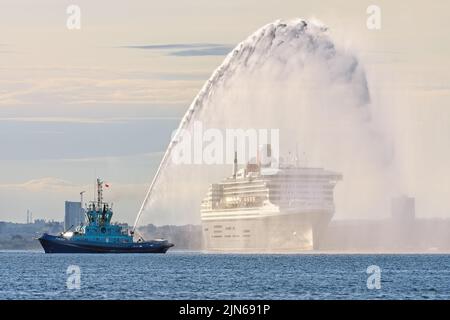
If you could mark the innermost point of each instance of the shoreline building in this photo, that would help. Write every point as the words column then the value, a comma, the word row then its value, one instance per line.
column 403, row 209
column 74, row 215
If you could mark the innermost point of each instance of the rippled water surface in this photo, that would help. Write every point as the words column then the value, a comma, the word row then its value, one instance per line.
column 181, row 275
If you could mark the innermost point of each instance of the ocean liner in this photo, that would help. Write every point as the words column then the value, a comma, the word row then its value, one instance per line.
column 262, row 208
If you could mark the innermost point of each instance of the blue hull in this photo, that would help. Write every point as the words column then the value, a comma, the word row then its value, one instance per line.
column 57, row 244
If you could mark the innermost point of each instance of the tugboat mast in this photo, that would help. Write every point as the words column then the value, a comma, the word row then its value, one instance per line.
column 99, row 193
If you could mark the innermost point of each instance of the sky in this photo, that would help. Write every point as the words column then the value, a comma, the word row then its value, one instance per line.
column 103, row 100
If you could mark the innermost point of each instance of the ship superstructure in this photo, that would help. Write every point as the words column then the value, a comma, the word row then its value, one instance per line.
column 265, row 208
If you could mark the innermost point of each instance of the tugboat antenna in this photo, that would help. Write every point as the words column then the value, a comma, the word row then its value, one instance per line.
column 99, row 192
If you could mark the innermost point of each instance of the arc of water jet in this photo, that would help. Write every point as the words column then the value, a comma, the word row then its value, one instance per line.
column 163, row 162
column 193, row 109
column 152, row 185
column 218, row 74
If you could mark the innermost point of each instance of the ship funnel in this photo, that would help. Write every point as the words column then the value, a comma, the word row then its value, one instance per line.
column 235, row 165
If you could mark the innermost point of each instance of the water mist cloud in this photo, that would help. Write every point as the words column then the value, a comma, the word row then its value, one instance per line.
column 291, row 76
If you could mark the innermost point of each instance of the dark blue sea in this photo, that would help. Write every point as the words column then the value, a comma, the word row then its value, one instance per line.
column 190, row 275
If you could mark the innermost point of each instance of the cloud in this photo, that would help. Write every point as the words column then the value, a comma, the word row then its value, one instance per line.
column 47, row 183
column 56, row 84
column 173, row 46
column 83, row 120
column 156, row 155
column 57, row 185
column 82, row 90
column 3, row 50
column 187, row 49
column 215, row 51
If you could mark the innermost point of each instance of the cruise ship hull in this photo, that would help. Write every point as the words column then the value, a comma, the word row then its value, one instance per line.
column 251, row 231
column 58, row 244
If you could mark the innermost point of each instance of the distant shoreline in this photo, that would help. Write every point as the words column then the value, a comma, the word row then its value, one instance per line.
column 306, row 253
column 388, row 236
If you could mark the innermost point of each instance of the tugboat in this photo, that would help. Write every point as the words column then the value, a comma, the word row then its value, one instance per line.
column 99, row 235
